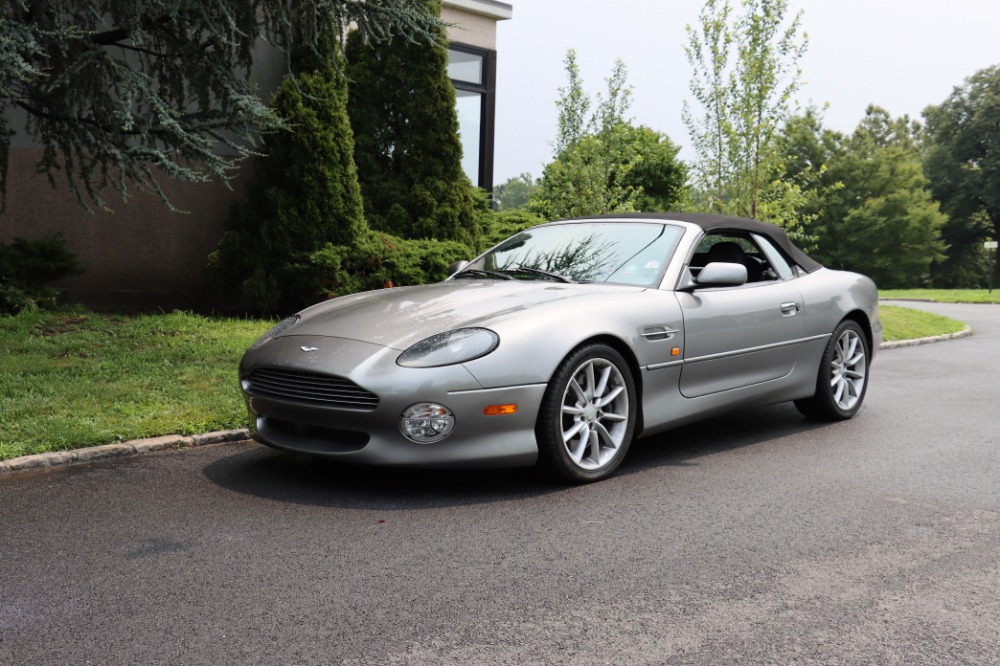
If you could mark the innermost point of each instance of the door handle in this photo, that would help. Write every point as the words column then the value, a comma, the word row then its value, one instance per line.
column 789, row 309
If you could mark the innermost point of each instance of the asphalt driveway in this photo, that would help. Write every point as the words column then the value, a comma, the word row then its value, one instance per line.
column 759, row 538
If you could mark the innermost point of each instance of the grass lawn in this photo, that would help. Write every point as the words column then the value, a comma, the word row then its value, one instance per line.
column 907, row 324
column 73, row 379
column 943, row 295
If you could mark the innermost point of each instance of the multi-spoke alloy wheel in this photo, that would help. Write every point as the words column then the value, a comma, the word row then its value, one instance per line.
column 843, row 375
column 849, row 370
column 588, row 415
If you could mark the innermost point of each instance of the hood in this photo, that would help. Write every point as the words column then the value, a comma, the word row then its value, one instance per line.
column 401, row 316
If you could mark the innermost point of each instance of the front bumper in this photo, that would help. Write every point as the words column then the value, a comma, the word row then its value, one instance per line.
column 372, row 436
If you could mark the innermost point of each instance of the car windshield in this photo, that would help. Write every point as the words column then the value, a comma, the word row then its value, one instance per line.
column 618, row 252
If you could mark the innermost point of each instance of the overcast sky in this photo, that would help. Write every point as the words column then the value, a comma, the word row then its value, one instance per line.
column 899, row 54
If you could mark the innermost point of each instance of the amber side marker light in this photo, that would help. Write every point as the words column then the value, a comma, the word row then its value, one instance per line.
column 500, row 410
column 676, row 351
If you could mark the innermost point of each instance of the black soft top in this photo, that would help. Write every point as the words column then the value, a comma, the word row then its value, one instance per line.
column 713, row 223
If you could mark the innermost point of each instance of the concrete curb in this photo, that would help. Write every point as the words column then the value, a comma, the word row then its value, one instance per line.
column 132, row 447
column 967, row 331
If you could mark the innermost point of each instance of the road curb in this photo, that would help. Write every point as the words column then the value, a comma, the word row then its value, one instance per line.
column 895, row 344
column 132, row 447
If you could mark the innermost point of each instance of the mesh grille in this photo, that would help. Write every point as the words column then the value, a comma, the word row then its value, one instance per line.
column 305, row 387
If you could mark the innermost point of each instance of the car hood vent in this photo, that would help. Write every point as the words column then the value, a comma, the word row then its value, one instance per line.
column 309, row 388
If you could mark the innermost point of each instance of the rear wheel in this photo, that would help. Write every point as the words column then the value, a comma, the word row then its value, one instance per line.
column 843, row 375
column 587, row 417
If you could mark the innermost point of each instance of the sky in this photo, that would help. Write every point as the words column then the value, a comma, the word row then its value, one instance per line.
column 902, row 55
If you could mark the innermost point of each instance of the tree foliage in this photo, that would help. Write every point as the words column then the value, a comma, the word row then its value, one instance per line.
column 962, row 161
column 121, row 92
column 305, row 194
column 407, row 150
column 745, row 72
column 514, row 193
column 865, row 197
column 603, row 163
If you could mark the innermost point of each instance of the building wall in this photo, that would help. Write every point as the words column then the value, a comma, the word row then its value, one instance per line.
column 472, row 29
column 143, row 256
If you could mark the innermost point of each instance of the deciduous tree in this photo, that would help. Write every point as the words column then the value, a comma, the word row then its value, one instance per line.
column 745, row 73
column 606, row 164
column 865, row 198
column 962, row 161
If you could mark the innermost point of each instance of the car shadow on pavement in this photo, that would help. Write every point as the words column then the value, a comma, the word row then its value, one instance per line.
column 301, row 479
column 735, row 430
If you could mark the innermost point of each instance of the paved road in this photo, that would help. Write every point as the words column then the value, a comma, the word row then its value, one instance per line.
column 761, row 538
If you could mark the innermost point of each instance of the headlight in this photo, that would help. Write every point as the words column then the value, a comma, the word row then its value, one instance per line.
column 426, row 422
column 458, row 346
column 277, row 330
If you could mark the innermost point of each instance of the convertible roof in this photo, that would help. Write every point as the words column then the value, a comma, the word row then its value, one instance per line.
column 721, row 222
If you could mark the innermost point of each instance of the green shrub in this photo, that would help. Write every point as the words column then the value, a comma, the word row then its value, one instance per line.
column 499, row 226
column 379, row 260
column 27, row 269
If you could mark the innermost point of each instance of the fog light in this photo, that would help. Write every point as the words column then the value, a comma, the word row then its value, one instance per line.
column 426, row 422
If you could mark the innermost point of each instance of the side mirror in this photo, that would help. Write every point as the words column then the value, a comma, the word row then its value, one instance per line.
column 457, row 266
column 722, row 274
column 717, row 274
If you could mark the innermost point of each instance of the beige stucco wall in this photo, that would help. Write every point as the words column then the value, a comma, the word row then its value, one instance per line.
column 471, row 29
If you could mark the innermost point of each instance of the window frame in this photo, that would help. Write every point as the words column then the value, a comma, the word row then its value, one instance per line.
column 487, row 117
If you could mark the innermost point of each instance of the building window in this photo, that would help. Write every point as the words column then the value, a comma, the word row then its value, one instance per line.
column 472, row 71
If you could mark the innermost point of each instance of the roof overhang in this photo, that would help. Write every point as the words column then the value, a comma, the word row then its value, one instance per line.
column 498, row 11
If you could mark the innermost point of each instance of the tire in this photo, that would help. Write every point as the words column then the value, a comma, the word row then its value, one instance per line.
column 842, row 380
column 588, row 414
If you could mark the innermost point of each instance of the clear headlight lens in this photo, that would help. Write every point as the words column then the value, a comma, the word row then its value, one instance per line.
column 277, row 330
column 458, row 346
column 426, row 422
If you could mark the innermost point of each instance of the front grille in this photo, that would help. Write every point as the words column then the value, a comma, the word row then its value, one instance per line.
column 306, row 387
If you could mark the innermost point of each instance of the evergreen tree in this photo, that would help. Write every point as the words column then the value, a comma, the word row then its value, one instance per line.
column 407, row 148
column 120, row 93
column 304, row 194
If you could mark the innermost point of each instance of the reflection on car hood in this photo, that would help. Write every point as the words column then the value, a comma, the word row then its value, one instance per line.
column 401, row 316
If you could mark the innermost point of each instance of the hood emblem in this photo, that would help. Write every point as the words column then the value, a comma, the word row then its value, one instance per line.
column 309, row 349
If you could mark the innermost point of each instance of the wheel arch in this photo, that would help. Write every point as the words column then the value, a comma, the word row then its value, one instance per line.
column 861, row 319
column 622, row 348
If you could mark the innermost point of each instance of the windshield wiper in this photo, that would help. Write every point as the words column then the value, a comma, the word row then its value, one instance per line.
column 538, row 271
column 478, row 272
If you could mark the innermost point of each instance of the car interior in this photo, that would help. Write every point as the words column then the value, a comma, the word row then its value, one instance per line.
column 735, row 248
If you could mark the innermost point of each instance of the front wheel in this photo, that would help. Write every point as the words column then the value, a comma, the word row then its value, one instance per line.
column 588, row 414
column 843, row 375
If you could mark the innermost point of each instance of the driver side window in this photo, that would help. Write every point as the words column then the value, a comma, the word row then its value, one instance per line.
column 735, row 247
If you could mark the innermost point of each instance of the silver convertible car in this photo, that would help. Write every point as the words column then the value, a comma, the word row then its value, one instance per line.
column 563, row 343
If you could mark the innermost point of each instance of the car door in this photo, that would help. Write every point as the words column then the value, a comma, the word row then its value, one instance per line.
column 737, row 337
